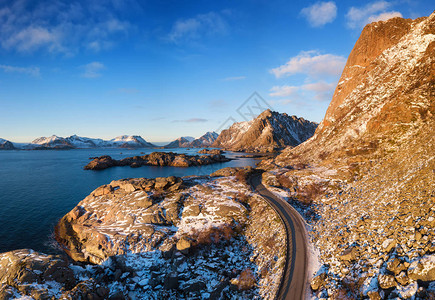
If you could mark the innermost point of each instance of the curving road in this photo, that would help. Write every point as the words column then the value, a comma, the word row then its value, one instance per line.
column 293, row 283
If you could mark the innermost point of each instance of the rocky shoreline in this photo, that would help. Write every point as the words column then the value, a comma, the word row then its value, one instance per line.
column 156, row 159
column 173, row 238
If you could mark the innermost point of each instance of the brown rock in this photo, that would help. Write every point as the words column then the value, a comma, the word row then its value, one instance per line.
column 386, row 281
column 184, row 245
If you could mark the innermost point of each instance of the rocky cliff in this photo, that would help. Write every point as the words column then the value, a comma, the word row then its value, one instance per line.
column 365, row 181
column 268, row 132
column 385, row 94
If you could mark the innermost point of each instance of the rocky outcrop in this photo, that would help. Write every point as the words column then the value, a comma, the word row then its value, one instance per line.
column 6, row 145
column 34, row 274
column 156, row 159
column 210, row 151
column 189, row 235
column 268, row 132
column 365, row 180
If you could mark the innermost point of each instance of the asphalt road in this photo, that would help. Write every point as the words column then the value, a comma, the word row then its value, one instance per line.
column 293, row 284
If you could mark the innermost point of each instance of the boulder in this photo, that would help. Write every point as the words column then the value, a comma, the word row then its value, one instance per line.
column 423, row 268
column 350, row 253
column 184, row 245
column 386, row 281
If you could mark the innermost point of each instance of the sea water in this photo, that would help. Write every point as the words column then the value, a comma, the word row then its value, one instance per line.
column 37, row 188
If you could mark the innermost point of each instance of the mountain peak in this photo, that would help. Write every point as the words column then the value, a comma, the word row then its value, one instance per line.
column 385, row 94
column 268, row 131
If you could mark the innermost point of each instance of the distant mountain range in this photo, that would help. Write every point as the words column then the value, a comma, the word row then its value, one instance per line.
column 78, row 142
column 270, row 131
column 123, row 141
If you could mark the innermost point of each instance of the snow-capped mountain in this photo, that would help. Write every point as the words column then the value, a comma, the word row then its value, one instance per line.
column 270, row 130
column 6, row 145
column 78, row 142
column 52, row 142
column 84, row 142
column 204, row 141
column 130, row 141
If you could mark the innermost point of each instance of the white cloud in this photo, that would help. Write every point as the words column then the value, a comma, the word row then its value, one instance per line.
column 320, row 91
column 284, row 91
column 384, row 16
column 93, row 69
column 197, row 27
column 193, row 120
column 313, row 64
column 32, row 71
column 31, row 38
column 320, row 13
column 358, row 17
column 60, row 27
column 235, row 78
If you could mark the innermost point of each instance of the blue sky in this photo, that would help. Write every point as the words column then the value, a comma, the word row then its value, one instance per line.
column 164, row 69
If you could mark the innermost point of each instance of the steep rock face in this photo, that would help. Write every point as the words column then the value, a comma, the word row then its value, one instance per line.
column 385, row 94
column 6, row 145
column 269, row 131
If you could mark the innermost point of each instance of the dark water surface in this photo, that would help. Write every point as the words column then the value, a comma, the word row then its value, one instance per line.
column 37, row 188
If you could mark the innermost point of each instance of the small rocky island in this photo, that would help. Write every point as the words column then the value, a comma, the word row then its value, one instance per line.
column 156, row 159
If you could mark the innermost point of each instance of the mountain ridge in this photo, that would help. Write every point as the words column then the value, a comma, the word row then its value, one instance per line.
column 266, row 133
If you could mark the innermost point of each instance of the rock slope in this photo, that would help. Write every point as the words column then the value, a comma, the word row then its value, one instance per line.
column 268, row 132
column 156, row 159
column 365, row 181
